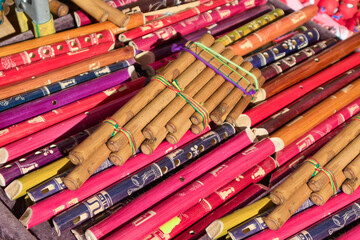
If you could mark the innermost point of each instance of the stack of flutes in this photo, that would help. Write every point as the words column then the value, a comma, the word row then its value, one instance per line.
column 320, row 176
column 159, row 111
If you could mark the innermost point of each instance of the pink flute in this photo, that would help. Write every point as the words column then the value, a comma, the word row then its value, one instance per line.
column 31, row 70
column 318, row 132
column 164, row 22
column 351, row 234
column 280, row 100
column 220, row 196
column 240, row 200
column 56, row 49
column 172, row 184
column 60, row 130
column 25, row 128
column 150, row 41
column 304, row 219
column 192, row 193
column 163, row 62
column 49, row 207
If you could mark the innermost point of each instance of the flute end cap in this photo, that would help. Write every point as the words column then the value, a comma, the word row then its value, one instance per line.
column 75, row 158
column 171, row 139
column 90, row 235
column 214, row 229
column 317, row 199
column 272, row 223
column 276, row 198
column 146, row 149
column 243, row 121
column 115, row 159
column 347, row 189
column 71, row 184
column 314, row 185
column 2, row 181
column 25, row 218
column 13, row 189
column 4, row 155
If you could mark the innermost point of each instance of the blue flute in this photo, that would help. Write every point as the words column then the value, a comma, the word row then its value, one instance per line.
column 108, row 197
column 330, row 225
column 44, row 156
column 56, row 184
column 55, row 87
column 285, row 48
column 257, row 224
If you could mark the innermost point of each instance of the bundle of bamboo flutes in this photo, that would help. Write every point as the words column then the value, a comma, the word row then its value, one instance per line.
column 159, row 111
column 320, row 176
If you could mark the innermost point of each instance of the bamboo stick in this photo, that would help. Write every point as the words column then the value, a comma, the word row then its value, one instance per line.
column 326, row 192
column 283, row 212
column 242, row 104
column 352, row 171
column 115, row 16
column 93, row 9
column 274, row 30
column 337, row 164
column 123, row 115
column 151, row 130
column 148, row 146
column 58, row 8
column 304, row 173
column 219, row 114
column 214, row 97
column 139, row 121
column 349, row 186
column 174, row 138
column 197, row 128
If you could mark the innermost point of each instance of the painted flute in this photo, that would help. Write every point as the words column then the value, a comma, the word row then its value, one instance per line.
column 62, row 98
column 64, row 84
column 141, row 179
column 285, row 48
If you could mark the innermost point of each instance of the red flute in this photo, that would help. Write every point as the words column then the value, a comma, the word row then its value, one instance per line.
column 171, row 185
column 198, row 189
column 319, row 131
column 164, row 22
column 25, row 128
column 57, row 203
column 308, row 217
column 28, row 71
column 56, row 49
column 280, row 100
column 220, row 196
column 62, row 129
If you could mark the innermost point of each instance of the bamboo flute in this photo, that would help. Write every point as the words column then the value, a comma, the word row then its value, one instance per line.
column 59, row 130
column 64, row 84
column 103, row 133
column 151, row 129
column 352, row 170
column 312, row 65
column 115, row 15
column 93, row 9
column 337, row 164
column 349, row 186
column 219, row 114
column 41, row 157
column 55, row 49
column 186, row 175
column 308, row 217
column 284, row 64
column 274, row 30
column 275, row 103
column 138, row 122
column 283, row 212
column 68, row 71
column 173, row 138
column 18, row 187
column 331, row 226
column 334, row 123
column 320, row 112
column 215, row 97
column 15, row 75
column 220, row 196
column 85, row 92
column 220, row 227
column 325, row 154
column 326, row 192
column 143, row 178
column 57, row 37
column 309, row 100
column 49, row 207
column 50, row 118
column 149, row 145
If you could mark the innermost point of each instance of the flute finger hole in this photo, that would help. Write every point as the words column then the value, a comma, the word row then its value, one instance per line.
column 192, row 232
column 54, row 102
column 182, row 179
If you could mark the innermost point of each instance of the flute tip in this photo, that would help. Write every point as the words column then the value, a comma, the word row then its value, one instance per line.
column 215, row 229
column 90, row 235
column 4, row 155
column 13, row 190
column 25, row 218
